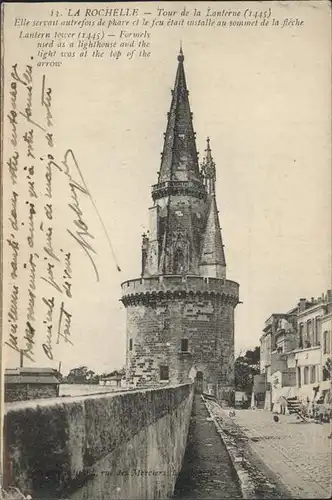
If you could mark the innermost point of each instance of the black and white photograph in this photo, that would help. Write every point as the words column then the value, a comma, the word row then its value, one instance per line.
column 166, row 305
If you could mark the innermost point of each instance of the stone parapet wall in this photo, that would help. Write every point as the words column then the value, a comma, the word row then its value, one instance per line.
column 156, row 287
column 122, row 446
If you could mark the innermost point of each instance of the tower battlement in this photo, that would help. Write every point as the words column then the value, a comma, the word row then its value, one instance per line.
column 149, row 290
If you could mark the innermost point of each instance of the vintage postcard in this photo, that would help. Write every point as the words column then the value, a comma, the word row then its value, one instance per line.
column 166, row 305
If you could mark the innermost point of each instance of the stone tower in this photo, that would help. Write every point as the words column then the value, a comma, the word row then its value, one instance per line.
column 180, row 312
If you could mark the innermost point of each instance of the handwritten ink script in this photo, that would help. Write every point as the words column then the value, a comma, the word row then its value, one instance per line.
column 45, row 223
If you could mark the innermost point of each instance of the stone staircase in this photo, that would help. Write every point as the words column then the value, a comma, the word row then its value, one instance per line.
column 295, row 408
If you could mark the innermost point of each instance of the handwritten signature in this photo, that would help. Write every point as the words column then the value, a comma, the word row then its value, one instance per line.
column 82, row 232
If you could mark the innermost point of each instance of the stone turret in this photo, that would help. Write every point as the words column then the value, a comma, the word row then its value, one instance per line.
column 212, row 261
column 180, row 313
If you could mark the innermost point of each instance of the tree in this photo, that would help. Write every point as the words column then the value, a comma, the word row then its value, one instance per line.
column 253, row 358
column 245, row 367
column 81, row 375
column 327, row 369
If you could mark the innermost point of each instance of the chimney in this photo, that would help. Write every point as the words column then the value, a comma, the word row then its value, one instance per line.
column 329, row 296
column 302, row 304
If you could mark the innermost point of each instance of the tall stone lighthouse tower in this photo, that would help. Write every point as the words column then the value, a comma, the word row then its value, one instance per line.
column 180, row 312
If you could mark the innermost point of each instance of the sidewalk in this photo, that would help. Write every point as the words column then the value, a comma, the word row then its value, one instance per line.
column 207, row 472
column 297, row 454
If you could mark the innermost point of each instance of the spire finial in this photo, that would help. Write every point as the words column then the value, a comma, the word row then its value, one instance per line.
column 209, row 168
column 180, row 56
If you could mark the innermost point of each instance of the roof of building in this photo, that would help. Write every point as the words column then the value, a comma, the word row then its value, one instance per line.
column 112, row 376
column 28, row 379
column 179, row 157
column 213, row 248
column 29, row 370
column 27, row 375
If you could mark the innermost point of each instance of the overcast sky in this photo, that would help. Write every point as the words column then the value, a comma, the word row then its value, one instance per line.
column 263, row 97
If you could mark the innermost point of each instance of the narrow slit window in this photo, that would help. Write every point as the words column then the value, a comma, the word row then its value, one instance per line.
column 184, row 345
column 164, row 372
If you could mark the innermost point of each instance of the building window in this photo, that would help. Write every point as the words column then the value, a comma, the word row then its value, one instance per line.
column 326, row 373
column 306, row 375
column 312, row 374
column 301, row 336
column 316, row 330
column 164, row 372
column 299, row 383
column 184, row 345
column 326, row 340
column 130, row 344
column 309, row 339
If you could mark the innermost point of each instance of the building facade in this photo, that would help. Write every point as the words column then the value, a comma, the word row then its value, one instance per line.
column 279, row 338
column 180, row 312
column 296, row 352
column 314, row 345
column 114, row 379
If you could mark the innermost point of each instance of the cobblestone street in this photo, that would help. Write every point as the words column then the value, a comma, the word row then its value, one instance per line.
column 298, row 453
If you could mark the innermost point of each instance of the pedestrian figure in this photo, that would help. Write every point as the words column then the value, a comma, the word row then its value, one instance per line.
column 283, row 405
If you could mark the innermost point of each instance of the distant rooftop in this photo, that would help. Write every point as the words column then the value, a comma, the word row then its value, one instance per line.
column 324, row 299
column 303, row 305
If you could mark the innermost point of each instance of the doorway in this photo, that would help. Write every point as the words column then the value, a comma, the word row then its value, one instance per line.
column 199, row 383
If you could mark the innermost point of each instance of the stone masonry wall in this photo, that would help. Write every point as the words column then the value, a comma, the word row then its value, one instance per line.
column 154, row 333
column 22, row 392
column 122, row 446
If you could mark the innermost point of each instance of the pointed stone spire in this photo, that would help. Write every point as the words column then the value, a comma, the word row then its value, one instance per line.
column 213, row 262
column 209, row 169
column 179, row 157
